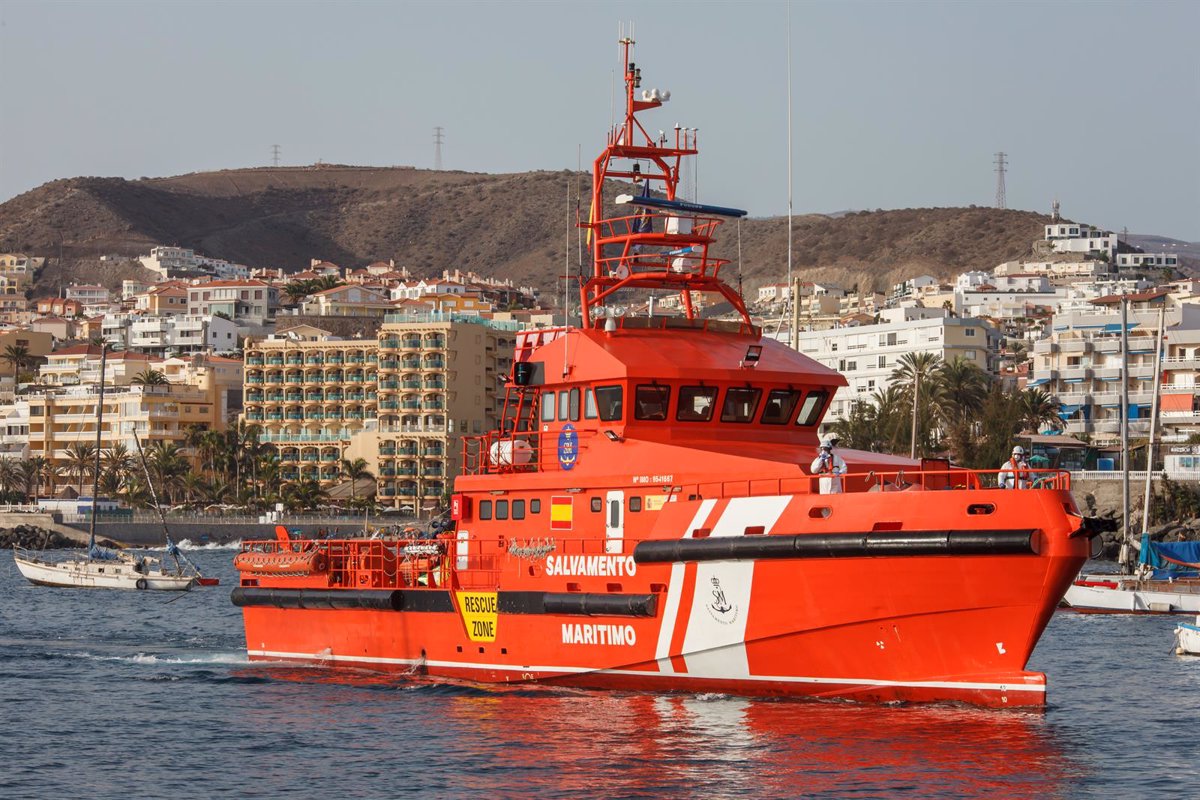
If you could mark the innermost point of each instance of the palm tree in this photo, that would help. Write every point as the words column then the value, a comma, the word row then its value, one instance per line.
column 18, row 356
column 304, row 495
column 48, row 475
column 963, row 387
column 150, row 377
column 118, row 461
column 913, row 370
column 30, row 473
column 1038, row 407
column 167, row 466
column 355, row 471
column 81, row 462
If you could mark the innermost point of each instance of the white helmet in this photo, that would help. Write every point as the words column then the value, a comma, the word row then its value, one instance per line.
column 829, row 440
column 1018, row 451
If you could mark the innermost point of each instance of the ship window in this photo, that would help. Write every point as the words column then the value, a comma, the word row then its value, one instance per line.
column 635, row 504
column 609, row 400
column 485, row 509
column 547, row 406
column 535, row 506
column 810, row 410
column 589, row 405
column 740, row 403
column 597, row 504
column 652, row 401
column 574, row 405
column 696, row 403
column 501, row 509
column 779, row 406
column 518, row 509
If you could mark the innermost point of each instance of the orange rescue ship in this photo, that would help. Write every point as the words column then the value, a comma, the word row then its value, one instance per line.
column 647, row 518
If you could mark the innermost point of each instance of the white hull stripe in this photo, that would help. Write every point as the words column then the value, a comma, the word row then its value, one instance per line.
column 997, row 687
column 666, row 628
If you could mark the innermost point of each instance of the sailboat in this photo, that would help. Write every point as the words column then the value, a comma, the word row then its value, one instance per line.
column 102, row 568
column 1164, row 578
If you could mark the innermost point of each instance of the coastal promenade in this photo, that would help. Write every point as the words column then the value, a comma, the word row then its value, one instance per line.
column 145, row 530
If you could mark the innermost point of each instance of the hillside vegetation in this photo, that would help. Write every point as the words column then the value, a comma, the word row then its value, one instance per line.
column 512, row 226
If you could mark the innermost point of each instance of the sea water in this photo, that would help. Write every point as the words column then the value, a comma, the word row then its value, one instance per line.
column 111, row 694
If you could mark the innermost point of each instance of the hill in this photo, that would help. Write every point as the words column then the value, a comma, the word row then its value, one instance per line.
column 512, row 225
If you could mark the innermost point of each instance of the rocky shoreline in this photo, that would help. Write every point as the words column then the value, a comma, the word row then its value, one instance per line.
column 32, row 537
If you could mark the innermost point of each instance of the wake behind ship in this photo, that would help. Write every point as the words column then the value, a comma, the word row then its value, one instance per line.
column 647, row 517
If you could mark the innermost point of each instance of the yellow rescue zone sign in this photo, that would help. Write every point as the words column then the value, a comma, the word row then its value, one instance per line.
column 478, row 610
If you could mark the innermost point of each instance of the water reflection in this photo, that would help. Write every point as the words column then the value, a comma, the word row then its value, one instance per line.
column 646, row 745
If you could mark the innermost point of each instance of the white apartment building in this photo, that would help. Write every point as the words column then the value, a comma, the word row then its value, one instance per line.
column 155, row 334
column 1070, row 237
column 867, row 354
column 87, row 295
column 249, row 302
column 1080, row 364
column 1147, row 261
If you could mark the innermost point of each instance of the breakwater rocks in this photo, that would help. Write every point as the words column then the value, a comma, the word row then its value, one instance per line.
column 1109, row 525
column 34, row 538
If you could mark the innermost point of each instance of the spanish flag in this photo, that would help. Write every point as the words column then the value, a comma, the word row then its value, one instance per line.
column 562, row 512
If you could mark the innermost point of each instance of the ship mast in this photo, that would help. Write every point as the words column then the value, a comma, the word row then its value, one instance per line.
column 661, row 243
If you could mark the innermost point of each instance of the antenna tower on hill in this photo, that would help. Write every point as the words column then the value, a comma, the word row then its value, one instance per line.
column 275, row 155
column 1000, row 165
column 437, row 147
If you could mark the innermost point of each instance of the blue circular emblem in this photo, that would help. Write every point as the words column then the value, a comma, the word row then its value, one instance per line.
column 568, row 447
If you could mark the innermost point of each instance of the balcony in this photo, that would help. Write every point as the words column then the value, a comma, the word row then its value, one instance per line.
column 357, row 359
column 293, row 379
column 386, row 472
column 295, row 361
column 389, row 405
column 434, row 363
column 275, row 378
column 354, row 379
column 315, row 361
column 389, row 364
column 329, row 457
column 255, row 416
column 254, row 361
column 435, row 342
column 435, row 383
column 433, row 405
column 387, row 451
column 275, row 361
column 254, row 397
column 276, row 417
column 411, row 384
column 409, row 450
column 332, row 396
column 254, row 381
column 334, row 360
column 411, row 404
column 389, row 384
column 412, row 343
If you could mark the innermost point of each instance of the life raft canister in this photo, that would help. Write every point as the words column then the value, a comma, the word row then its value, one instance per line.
column 311, row 562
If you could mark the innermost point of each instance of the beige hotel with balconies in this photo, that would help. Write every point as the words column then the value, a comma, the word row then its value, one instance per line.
column 401, row 401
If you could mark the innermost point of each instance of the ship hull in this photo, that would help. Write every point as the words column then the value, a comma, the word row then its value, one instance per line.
column 920, row 629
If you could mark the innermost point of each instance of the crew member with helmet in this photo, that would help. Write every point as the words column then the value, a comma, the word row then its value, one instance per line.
column 1015, row 472
column 829, row 465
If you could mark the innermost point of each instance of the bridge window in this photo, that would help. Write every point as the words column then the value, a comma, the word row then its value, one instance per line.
column 779, row 406
column 574, row 405
column 589, row 405
column 810, row 409
column 535, row 506
column 696, row 403
column 609, row 400
column 485, row 509
column 740, row 403
column 547, row 406
column 651, row 402
column 564, row 403
column 501, row 509
column 518, row 509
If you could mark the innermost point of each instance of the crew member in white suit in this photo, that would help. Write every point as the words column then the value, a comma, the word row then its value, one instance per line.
column 1015, row 472
column 830, row 466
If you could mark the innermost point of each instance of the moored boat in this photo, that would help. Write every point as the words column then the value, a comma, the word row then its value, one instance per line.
column 647, row 517
column 1187, row 638
column 1164, row 580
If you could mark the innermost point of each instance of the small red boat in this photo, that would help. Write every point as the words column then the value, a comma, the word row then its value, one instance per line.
column 647, row 518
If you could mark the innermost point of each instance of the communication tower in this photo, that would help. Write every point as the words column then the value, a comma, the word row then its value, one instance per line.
column 275, row 155
column 438, row 133
column 1000, row 165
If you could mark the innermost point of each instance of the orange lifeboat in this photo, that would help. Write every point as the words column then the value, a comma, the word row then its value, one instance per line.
column 307, row 563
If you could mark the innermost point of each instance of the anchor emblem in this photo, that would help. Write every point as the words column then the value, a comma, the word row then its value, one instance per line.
column 720, row 608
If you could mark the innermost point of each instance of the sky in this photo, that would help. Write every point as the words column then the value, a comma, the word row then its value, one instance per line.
column 893, row 104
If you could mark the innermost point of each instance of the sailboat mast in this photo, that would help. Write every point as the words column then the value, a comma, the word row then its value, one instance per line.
column 1158, row 354
column 1126, row 554
column 96, row 466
